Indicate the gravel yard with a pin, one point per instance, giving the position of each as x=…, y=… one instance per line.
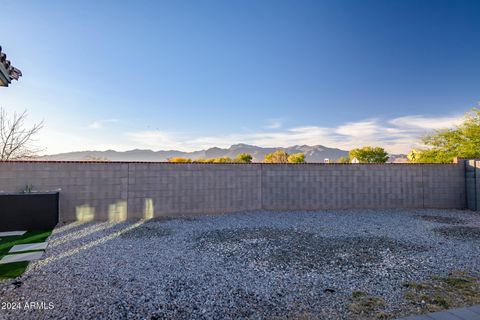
x=348, y=264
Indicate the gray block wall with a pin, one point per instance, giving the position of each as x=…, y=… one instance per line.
x=444, y=186
x=119, y=190
x=472, y=181
x=192, y=188
x=87, y=190
x=477, y=185
x=310, y=187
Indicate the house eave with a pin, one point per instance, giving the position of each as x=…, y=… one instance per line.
x=7, y=71
x=4, y=77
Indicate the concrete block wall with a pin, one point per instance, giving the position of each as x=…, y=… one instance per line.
x=444, y=186
x=309, y=187
x=192, y=188
x=477, y=185
x=120, y=190
x=87, y=190
x=472, y=181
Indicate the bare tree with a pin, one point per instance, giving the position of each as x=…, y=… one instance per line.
x=15, y=139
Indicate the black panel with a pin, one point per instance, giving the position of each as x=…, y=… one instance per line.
x=29, y=211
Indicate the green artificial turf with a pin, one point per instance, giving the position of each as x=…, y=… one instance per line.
x=15, y=269
x=12, y=270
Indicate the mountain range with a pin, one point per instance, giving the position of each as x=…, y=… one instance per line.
x=316, y=153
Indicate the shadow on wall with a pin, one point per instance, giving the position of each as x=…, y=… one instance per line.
x=117, y=211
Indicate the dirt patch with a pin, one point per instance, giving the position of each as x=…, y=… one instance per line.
x=146, y=231
x=442, y=219
x=459, y=232
x=456, y=290
x=366, y=306
x=285, y=248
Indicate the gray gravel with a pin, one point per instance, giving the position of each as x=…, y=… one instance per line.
x=247, y=265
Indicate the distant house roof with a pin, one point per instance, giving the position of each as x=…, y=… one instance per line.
x=7, y=71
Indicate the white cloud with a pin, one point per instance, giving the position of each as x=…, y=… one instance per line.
x=428, y=123
x=358, y=129
x=100, y=124
x=397, y=135
x=155, y=138
x=95, y=125
x=53, y=141
x=274, y=123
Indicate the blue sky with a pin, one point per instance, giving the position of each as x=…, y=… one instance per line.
x=194, y=74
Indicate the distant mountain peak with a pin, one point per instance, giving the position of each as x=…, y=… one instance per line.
x=241, y=145
x=312, y=153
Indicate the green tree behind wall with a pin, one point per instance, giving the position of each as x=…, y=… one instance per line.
x=369, y=155
x=343, y=160
x=244, y=158
x=278, y=156
x=296, y=158
x=461, y=141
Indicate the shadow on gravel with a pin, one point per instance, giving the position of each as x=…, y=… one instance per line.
x=71, y=228
x=237, y=303
x=279, y=248
x=241, y=305
x=167, y=219
x=459, y=232
x=441, y=219
x=147, y=230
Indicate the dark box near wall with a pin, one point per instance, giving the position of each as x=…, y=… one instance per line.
x=28, y=211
